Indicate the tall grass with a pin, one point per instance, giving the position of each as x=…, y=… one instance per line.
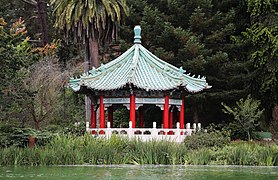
x=69, y=150
x=249, y=153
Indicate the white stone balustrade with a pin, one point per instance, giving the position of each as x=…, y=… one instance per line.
x=146, y=134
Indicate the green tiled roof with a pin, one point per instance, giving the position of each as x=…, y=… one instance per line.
x=140, y=68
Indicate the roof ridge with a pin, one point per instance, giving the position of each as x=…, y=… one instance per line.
x=134, y=64
x=119, y=59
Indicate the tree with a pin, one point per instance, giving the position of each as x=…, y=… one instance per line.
x=196, y=34
x=262, y=39
x=15, y=56
x=246, y=114
x=91, y=21
x=45, y=82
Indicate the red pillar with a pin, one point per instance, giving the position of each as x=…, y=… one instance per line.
x=166, y=113
x=101, y=112
x=132, y=112
x=182, y=114
x=110, y=115
x=141, y=117
x=93, y=117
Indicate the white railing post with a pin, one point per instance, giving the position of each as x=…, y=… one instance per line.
x=199, y=126
x=187, y=129
x=187, y=126
x=108, y=132
x=87, y=127
x=178, y=135
x=194, y=126
x=154, y=132
x=129, y=131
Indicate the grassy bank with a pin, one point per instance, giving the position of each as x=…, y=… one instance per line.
x=86, y=150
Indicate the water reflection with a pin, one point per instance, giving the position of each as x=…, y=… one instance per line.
x=147, y=172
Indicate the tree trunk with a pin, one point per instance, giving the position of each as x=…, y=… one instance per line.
x=90, y=60
x=37, y=125
x=33, y=114
x=41, y=6
x=94, y=53
x=86, y=69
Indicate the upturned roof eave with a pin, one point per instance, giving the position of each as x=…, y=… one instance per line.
x=163, y=75
x=78, y=88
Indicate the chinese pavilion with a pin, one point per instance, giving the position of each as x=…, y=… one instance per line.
x=134, y=79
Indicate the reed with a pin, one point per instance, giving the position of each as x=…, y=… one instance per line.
x=200, y=157
x=248, y=153
x=70, y=149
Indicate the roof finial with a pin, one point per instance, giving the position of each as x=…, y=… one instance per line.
x=137, y=34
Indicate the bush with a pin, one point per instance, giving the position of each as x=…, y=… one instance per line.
x=202, y=139
x=246, y=115
x=16, y=136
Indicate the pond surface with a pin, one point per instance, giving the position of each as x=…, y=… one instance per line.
x=139, y=172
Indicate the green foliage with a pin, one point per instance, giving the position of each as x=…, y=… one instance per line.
x=19, y=137
x=197, y=35
x=261, y=38
x=74, y=150
x=241, y=153
x=213, y=138
x=16, y=56
x=264, y=55
x=246, y=114
x=155, y=152
x=96, y=18
x=259, y=7
x=121, y=118
x=200, y=157
x=12, y=10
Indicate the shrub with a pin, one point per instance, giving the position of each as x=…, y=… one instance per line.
x=202, y=139
x=246, y=114
x=16, y=136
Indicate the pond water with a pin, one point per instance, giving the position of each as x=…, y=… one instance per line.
x=139, y=172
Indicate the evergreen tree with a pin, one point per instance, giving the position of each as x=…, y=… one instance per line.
x=198, y=36
x=262, y=38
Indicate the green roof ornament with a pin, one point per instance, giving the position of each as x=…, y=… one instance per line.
x=137, y=34
x=181, y=70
